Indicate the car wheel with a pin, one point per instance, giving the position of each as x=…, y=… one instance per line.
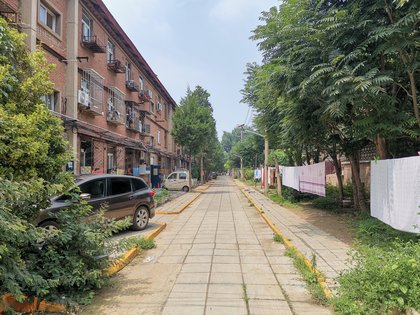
x=185, y=189
x=49, y=225
x=140, y=219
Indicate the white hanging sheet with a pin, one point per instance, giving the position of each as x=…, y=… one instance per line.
x=395, y=193
x=312, y=179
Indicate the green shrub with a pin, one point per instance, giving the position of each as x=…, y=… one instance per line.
x=161, y=196
x=382, y=281
x=249, y=173
x=331, y=200
x=140, y=242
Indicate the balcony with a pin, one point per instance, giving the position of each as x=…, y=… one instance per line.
x=90, y=94
x=116, y=110
x=94, y=44
x=132, y=86
x=116, y=65
x=9, y=12
x=145, y=95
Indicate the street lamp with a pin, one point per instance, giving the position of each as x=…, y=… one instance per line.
x=265, y=155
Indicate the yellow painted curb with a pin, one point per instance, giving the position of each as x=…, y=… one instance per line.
x=156, y=232
x=181, y=208
x=9, y=300
x=289, y=244
x=125, y=259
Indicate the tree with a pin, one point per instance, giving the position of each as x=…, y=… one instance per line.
x=193, y=124
x=33, y=154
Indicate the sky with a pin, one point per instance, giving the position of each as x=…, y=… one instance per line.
x=197, y=42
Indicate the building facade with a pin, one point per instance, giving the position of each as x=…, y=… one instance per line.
x=116, y=112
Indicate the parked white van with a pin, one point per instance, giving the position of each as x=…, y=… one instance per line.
x=178, y=180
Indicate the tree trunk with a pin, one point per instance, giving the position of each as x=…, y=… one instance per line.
x=278, y=179
x=308, y=157
x=338, y=173
x=359, y=198
x=381, y=147
x=414, y=96
x=202, y=169
x=190, y=175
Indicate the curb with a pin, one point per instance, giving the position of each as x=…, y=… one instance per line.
x=182, y=207
x=43, y=306
x=321, y=279
x=128, y=257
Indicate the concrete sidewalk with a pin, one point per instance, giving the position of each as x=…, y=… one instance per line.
x=216, y=257
x=330, y=253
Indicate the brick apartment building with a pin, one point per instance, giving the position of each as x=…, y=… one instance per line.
x=117, y=114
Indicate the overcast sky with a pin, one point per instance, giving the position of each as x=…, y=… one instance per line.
x=197, y=42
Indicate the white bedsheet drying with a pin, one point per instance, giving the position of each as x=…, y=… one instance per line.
x=395, y=193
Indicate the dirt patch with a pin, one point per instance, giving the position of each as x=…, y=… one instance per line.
x=342, y=226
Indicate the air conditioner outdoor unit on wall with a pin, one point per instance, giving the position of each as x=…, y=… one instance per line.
x=131, y=84
x=149, y=93
x=83, y=98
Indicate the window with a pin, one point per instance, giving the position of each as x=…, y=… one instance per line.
x=115, y=106
x=141, y=83
x=182, y=175
x=139, y=184
x=120, y=186
x=49, y=18
x=127, y=71
x=96, y=188
x=158, y=136
x=110, y=51
x=51, y=101
x=86, y=27
x=152, y=107
x=172, y=176
x=92, y=84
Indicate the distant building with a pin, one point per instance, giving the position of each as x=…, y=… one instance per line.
x=116, y=112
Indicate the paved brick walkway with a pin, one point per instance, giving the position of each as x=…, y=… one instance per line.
x=217, y=257
x=331, y=253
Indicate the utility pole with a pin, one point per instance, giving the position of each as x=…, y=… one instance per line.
x=266, y=163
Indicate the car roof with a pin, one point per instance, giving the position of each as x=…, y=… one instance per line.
x=86, y=177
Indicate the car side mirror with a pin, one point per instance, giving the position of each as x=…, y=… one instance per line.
x=85, y=196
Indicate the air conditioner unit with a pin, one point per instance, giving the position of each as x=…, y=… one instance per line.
x=131, y=84
x=83, y=98
x=149, y=93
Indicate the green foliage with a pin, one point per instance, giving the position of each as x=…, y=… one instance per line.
x=384, y=277
x=67, y=265
x=309, y=277
x=248, y=173
x=331, y=201
x=285, y=200
x=382, y=281
x=277, y=238
x=139, y=242
x=161, y=196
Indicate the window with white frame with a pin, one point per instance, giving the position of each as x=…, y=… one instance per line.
x=86, y=27
x=152, y=107
x=141, y=83
x=49, y=18
x=158, y=136
x=110, y=51
x=51, y=100
x=127, y=71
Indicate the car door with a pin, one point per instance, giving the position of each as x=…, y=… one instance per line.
x=170, y=182
x=119, y=197
x=97, y=190
x=182, y=180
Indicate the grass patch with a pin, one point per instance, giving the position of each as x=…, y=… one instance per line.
x=139, y=242
x=277, y=238
x=331, y=201
x=282, y=201
x=161, y=196
x=385, y=277
x=245, y=297
x=309, y=277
